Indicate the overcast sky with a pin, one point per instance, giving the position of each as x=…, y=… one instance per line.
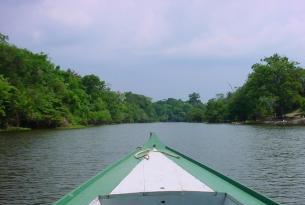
x=159, y=48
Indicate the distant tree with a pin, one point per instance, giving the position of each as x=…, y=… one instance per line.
x=240, y=105
x=196, y=114
x=5, y=88
x=8, y=102
x=194, y=98
x=216, y=110
x=142, y=106
x=3, y=38
x=172, y=110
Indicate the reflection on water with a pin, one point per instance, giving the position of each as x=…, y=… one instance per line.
x=39, y=167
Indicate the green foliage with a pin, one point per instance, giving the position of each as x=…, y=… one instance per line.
x=240, y=105
x=36, y=93
x=3, y=38
x=216, y=110
x=139, y=108
x=196, y=113
x=194, y=99
x=275, y=87
x=8, y=101
x=93, y=85
x=172, y=110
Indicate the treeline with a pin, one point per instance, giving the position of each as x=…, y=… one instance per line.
x=275, y=87
x=35, y=93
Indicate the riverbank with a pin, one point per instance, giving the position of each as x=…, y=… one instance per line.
x=289, y=122
x=299, y=121
x=294, y=118
x=18, y=129
x=15, y=129
x=69, y=98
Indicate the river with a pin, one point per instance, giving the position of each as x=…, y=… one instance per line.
x=38, y=167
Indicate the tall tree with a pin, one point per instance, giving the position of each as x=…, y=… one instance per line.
x=3, y=38
x=275, y=83
x=194, y=98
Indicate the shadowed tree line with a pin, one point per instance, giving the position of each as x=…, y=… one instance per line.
x=36, y=93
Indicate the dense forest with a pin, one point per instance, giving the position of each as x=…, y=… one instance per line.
x=36, y=93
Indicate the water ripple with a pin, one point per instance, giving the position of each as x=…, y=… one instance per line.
x=39, y=167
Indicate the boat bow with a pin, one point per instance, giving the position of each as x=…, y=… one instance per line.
x=157, y=174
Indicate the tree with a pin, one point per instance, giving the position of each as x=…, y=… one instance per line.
x=8, y=101
x=240, y=105
x=3, y=38
x=216, y=110
x=140, y=104
x=172, y=110
x=93, y=85
x=194, y=98
x=275, y=85
x=5, y=95
x=196, y=114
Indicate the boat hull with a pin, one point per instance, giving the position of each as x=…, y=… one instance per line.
x=157, y=173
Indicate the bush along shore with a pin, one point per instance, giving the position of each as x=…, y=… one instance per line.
x=36, y=93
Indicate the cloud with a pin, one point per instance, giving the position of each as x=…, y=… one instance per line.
x=70, y=13
x=243, y=28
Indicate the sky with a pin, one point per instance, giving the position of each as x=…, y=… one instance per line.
x=159, y=48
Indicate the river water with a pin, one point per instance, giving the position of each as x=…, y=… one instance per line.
x=38, y=167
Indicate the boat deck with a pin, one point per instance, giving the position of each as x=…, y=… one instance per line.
x=169, y=198
x=157, y=174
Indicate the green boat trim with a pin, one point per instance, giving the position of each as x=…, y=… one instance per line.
x=221, y=183
x=111, y=182
x=101, y=184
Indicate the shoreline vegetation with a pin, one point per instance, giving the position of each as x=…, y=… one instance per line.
x=290, y=122
x=36, y=93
